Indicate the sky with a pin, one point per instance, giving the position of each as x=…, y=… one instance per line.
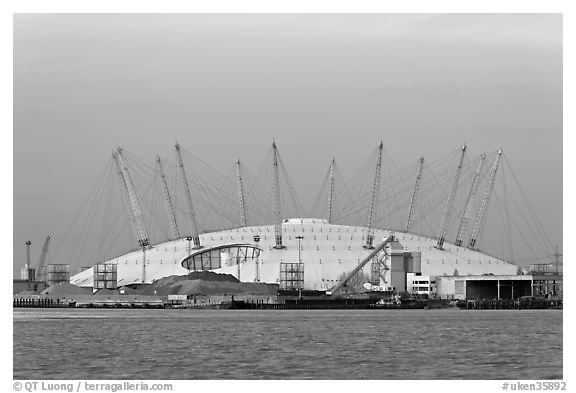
x=322, y=85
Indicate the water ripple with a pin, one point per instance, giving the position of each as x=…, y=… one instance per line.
x=347, y=344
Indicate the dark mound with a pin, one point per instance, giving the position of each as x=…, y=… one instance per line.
x=211, y=276
x=105, y=291
x=127, y=291
x=203, y=283
x=66, y=289
x=203, y=276
x=28, y=293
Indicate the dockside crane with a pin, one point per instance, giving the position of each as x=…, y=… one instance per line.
x=40, y=269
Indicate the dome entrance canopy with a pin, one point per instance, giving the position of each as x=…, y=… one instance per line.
x=220, y=256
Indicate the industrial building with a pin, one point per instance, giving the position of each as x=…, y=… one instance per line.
x=543, y=281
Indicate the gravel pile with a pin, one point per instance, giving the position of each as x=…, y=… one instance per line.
x=66, y=289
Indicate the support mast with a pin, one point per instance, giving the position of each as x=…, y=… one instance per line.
x=168, y=201
x=276, y=195
x=136, y=212
x=450, y=202
x=469, y=202
x=130, y=196
x=414, y=195
x=484, y=206
x=241, y=194
x=331, y=193
x=124, y=192
x=374, y=201
x=191, y=215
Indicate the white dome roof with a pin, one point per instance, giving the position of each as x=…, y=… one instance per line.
x=327, y=251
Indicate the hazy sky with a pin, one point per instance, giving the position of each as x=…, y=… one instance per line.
x=322, y=85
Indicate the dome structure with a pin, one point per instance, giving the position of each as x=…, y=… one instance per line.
x=327, y=251
x=309, y=253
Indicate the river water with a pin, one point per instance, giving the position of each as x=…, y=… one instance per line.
x=299, y=344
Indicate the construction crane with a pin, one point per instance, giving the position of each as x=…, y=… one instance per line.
x=40, y=269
